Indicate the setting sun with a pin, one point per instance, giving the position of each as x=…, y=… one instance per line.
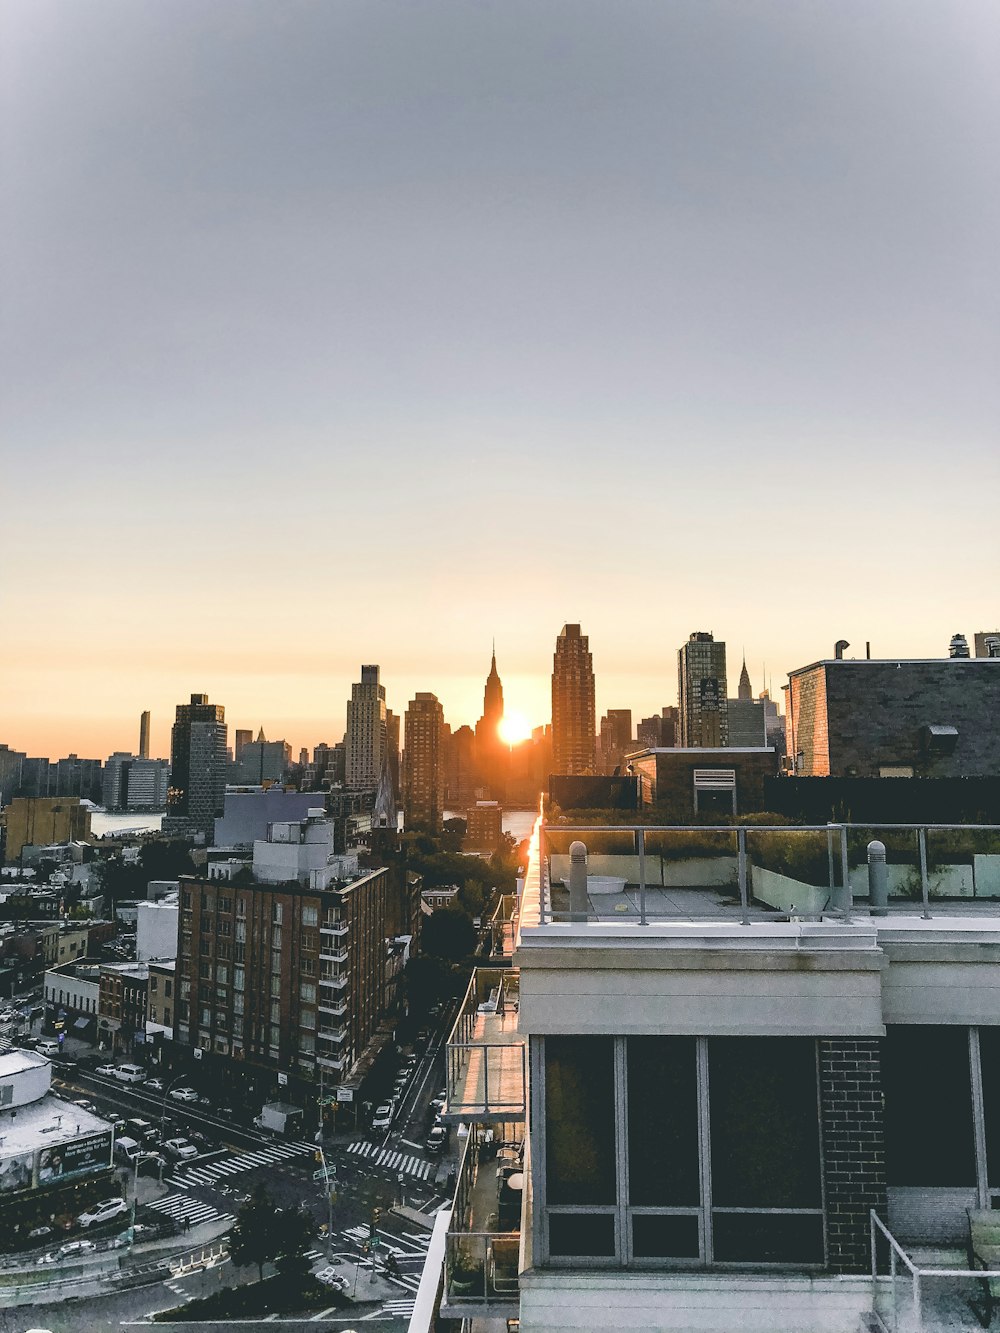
x=514, y=728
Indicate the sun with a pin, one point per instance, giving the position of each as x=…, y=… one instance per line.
x=514, y=728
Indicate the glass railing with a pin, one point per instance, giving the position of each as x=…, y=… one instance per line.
x=748, y=872
x=486, y=1061
x=482, y=1254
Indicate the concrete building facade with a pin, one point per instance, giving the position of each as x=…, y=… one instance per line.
x=197, y=767
x=366, y=731
x=574, y=712
x=702, y=692
x=424, y=763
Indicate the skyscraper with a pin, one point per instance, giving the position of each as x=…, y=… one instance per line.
x=744, y=691
x=492, y=754
x=423, y=763
x=144, y=735
x=701, y=692
x=574, y=713
x=366, y=731
x=197, y=767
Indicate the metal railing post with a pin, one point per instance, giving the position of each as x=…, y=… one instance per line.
x=917, y=1313
x=871, y=1229
x=845, y=874
x=924, y=885
x=741, y=851
x=640, y=839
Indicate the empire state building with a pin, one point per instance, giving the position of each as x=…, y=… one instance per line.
x=492, y=755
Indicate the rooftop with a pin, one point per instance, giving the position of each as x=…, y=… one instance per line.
x=47, y=1123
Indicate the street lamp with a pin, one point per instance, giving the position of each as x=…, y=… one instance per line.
x=329, y=1197
x=163, y=1115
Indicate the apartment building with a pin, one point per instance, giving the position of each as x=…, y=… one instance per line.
x=688, y=1110
x=281, y=977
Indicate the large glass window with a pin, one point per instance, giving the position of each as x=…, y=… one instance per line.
x=580, y=1120
x=683, y=1149
x=928, y=1106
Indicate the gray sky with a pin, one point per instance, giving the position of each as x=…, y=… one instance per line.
x=363, y=331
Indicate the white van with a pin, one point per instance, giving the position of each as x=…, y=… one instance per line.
x=47, y=1047
x=130, y=1074
x=127, y=1150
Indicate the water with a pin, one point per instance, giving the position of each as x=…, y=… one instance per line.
x=134, y=823
x=517, y=822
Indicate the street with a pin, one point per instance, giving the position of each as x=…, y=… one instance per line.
x=203, y=1196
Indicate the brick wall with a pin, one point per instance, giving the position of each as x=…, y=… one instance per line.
x=853, y=1146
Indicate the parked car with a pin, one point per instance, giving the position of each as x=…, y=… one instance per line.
x=102, y=1212
x=184, y=1095
x=201, y=1141
x=73, y=1248
x=436, y=1139
x=65, y=1065
x=382, y=1118
x=85, y=1105
x=154, y=1085
x=106, y=1071
x=181, y=1150
x=438, y=1104
x=47, y=1047
x=37, y=1233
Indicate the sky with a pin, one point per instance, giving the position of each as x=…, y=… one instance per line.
x=366, y=331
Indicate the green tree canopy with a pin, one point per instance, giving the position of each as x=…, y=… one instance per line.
x=449, y=934
x=256, y=1235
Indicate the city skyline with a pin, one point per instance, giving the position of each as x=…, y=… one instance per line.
x=418, y=294
x=527, y=696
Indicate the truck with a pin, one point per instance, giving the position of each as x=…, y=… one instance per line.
x=280, y=1118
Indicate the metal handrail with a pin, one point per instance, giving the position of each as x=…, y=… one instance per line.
x=916, y=1271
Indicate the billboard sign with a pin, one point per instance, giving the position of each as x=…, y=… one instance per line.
x=709, y=694
x=77, y=1158
x=15, y=1173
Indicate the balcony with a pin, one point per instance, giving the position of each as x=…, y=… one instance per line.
x=338, y=1062
x=334, y=1034
x=336, y=1008
x=486, y=1069
x=329, y=955
x=483, y=1245
x=502, y=927
x=337, y=929
x=338, y=982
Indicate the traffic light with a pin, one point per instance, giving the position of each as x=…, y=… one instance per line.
x=376, y=1214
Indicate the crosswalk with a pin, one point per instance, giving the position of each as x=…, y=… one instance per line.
x=182, y=1208
x=392, y=1159
x=245, y=1161
x=401, y=1307
x=403, y=1248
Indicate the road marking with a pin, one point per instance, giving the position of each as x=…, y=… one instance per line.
x=323, y=1313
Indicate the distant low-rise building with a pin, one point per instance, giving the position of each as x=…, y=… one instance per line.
x=42, y=820
x=687, y=782
x=484, y=827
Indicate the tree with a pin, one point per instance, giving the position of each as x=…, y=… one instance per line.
x=448, y=934
x=256, y=1235
x=296, y=1231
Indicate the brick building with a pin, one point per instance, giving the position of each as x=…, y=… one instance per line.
x=122, y=1006
x=936, y=718
x=683, y=783
x=281, y=977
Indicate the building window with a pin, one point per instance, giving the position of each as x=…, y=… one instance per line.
x=241, y=908
x=631, y=1126
x=275, y=1040
x=207, y=900
x=276, y=937
x=307, y=1042
x=237, y=1026
x=276, y=913
x=307, y=1018
x=276, y=961
x=204, y=945
x=204, y=968
x=275, y=1011
x=310, y=940
x=168, y=987
x=928, y=1068
x=153, y=985
x=166, y=1016
x=222, y=973
x=275, y=985
x=307, y=966
x=225, y=904
x=206, y=1017
x=185, y=987
x=307, y=992
x=310, y=916
x=223, y=951
x=239, y=978
x=238, y=1002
